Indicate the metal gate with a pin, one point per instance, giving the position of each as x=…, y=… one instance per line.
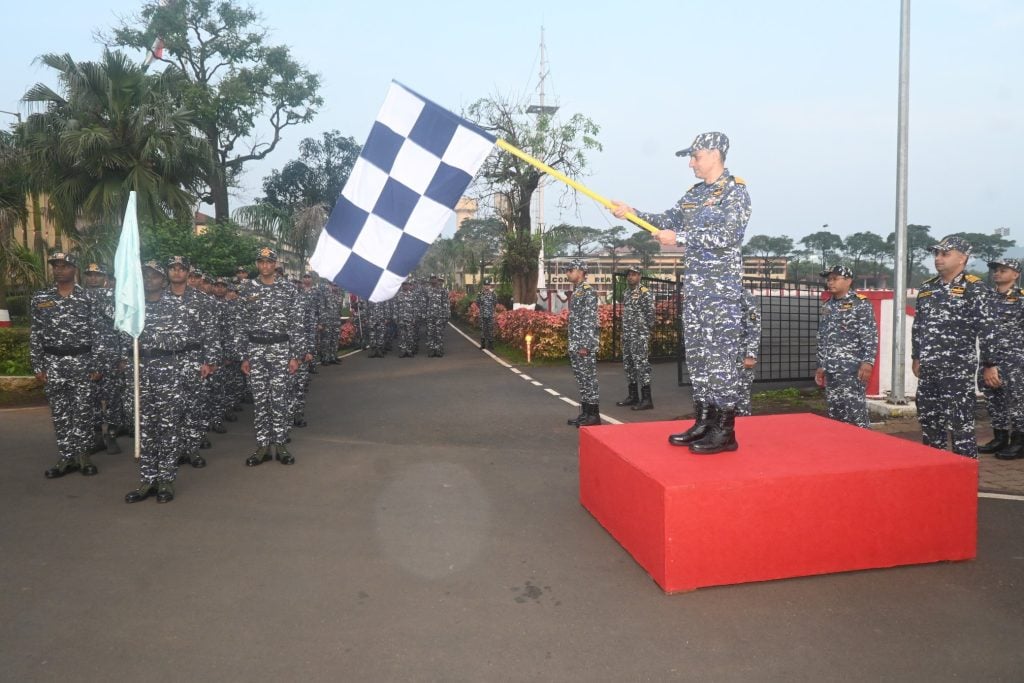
x=790, y=313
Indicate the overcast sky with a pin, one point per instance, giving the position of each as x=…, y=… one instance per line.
x=805, y=89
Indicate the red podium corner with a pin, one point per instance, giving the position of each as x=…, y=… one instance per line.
x=803, y=495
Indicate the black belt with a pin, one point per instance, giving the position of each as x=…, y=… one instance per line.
x=156, y=353
x=268, y=338
x=67, y=350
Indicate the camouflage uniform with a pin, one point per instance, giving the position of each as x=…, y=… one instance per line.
x=406, y=302
x=300, y=380
x=750, y=345
x=637, y=323
x=486, y=300
x=330, y=323
x=1006, y=403
x=583, y=334
x=66, y=341
x=951, y=320
x=164, y=373
x=269, y=335
x=710, y=221
x=202, y=347
x=847, y=337
x=377, y=322
x=438, y=312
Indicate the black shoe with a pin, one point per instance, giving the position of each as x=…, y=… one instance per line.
x=721, y=434
x=61, y=468
x=703, y=412
x=1000, y=440
x=142, y=493
x=238, y=407
x=299, y=422
x=282, y=455
x=261, y=455
x=645, y=399
x=1014, y=450
x=230, y=417
x=591, y=415
x=218, y=427
x=165, y=492
x=197, y=461
x=86, y=466
x=205, y=443
x=575, y=421
x=631, y=399
x=183, y=458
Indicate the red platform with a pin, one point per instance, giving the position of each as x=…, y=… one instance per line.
x=803, y=495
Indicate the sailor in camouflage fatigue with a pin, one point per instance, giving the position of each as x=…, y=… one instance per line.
x=709, y=221
x=406, y=302
x=847, y=348
x=310, y=305
x=329, y=323
x=67, y=353
x=583, y=343
x=377, y=322
x=637, y=324
x=164, y=365
x=953, y=320
x=1006, y=402
x=109, y=395
x=750, y=345
x=486, y=300
x=271, y=342
x=200, y=357
x=437, y=314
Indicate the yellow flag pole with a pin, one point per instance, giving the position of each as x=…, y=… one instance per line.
x=537, y=163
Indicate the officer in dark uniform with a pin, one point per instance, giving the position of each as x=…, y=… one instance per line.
x=406, y=302
x=583, y=344
x=437, y=314
x=847, y=348
x=709, y=221
x=66, y=350
x=637, y=324
x=1006, y=403
x=109, y=394
x=953, y=320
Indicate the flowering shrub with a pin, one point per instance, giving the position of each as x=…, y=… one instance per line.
x=548, y=330
x=348, y=335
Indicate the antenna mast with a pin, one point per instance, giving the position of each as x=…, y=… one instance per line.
x=541, y=109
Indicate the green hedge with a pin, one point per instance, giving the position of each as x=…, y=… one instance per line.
x=14, y=351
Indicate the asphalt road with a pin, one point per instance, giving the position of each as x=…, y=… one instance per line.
x=431, y=530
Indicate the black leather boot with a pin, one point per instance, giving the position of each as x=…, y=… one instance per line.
x=85, y=465
x=591, y=415
x=575, y=421
x=632, y=399
x=1000, y=440
x=111, y=443
x=483, y=344
x=144, y=491
x=61, y=468
x=218, y=427
x=721, y=434
x=1015, y=449
x=259, y=457
x=645, y=399
x=703, y=413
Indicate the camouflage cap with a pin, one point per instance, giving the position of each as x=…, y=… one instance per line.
x=1011, y=263
x=178, y=261
x=489, y=282
x=837, y=269
x=195, y=273
x=95, y=268
x=220, y=282
x=155, y=266
x=266, y=254
x=951, y=242
x=58, y=256
x=712, y=140
x=578, y=263
x=633, y=269
x=241, y=269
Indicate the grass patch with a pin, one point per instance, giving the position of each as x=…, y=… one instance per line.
x=789, y=400
x=35, y=396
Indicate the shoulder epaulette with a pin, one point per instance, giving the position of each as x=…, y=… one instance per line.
x=972, y=278
x=696, y=185
x=861, y=296
x=738, y=180
x=644, y=289
x=931, y=280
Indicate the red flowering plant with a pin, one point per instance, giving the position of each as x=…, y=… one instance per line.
x=548, y=330
x=348, y=335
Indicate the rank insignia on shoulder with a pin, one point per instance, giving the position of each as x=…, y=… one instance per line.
x=46, y=304
x=644, y=289
x=861, y=296
x=689, y=205
x=956, y=291
x=739, y=181
x=972, y=278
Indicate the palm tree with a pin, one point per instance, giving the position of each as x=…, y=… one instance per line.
x=111, y=129
x=298, y=228
x=17, y=262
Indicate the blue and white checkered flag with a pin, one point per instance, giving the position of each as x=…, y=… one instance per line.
x=416, y=163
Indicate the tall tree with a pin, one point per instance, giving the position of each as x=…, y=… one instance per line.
x=861, y=246
x=571, y=240
x=823, y=243
x=239, y=85
x=919, y=244
x=644, y=246
x=510, y=182
x=317, y=176
x=987, y=247
x=481, y=240
x=766, y=247
x=612, y=239
x=112, y=129
x=17, y=262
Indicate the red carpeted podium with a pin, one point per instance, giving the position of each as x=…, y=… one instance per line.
x=803, y=495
